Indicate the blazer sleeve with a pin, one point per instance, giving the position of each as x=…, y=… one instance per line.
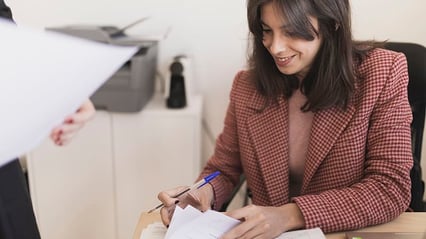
x=226, y=157
x=384, y=191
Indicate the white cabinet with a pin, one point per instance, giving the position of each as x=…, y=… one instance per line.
x=155, y=150
x=97, y=186
x=72, y=187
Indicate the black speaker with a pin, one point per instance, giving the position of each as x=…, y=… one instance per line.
x=177, y=94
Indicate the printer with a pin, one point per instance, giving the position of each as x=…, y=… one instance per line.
x=132, y=86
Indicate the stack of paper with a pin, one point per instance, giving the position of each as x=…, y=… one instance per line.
x=190, y=223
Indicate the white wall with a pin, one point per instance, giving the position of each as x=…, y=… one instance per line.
x=213, y=33
x=396, y=20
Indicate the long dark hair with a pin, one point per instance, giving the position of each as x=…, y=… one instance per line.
x=331, y=79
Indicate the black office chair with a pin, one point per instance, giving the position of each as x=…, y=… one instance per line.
x=416, y=60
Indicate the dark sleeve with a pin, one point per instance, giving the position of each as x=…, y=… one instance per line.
x=5, y=10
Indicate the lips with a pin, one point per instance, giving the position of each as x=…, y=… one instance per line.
x=283, y=61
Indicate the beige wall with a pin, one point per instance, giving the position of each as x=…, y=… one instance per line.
x=396, y=20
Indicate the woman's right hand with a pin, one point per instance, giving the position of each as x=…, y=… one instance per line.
x=201, y=199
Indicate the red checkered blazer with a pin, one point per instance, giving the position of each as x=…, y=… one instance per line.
x=358, y=162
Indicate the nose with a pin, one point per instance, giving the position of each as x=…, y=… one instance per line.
x=278, y=44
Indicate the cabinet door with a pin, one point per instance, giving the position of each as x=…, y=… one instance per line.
x=72, y=186
x=153, y=151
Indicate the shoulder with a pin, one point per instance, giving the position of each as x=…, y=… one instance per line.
x=242, y=85
x=383, y=67
x=381, y=62
x=383, y=74
x=244, y=94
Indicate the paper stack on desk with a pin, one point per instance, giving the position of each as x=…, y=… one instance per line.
x=190, y=223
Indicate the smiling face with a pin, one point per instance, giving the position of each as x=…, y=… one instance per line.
x=293, y=55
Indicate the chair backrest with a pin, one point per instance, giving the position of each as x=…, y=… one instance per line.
x=416, y=60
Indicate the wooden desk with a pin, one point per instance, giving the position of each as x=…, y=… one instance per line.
x=144, y=220
x=407, y=222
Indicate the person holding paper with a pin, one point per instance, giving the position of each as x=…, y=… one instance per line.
x=17, y=219
x=319, y=124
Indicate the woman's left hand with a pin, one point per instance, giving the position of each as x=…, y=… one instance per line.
x=265, y=222
x=63, y=134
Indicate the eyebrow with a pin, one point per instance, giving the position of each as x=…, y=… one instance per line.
x=263, y=23
x=283, y=27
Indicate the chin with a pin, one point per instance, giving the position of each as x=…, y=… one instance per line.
x=287, y=72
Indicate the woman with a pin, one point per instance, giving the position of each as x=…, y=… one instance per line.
x=319, y=124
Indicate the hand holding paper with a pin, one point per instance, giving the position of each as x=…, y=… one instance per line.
x=190, y=223
x=45, y=77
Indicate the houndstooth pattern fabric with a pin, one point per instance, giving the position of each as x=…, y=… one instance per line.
x=358, y=163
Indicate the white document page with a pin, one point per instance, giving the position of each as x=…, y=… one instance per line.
x=46, y=76
x=211, y=225
x=182, y=217
x=208, y=225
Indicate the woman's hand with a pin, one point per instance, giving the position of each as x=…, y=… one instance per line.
x=265, y=222
x=201, y=199
x=62, y=134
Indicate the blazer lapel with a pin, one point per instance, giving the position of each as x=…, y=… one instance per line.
x=269, y=134
x=327, y=125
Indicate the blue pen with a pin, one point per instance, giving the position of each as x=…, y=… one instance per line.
x=197, y=185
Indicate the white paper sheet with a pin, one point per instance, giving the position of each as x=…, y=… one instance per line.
x=45, y=77
x=182, y=217
x=189, y=223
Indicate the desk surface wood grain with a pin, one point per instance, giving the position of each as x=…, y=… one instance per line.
x=406, y=222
